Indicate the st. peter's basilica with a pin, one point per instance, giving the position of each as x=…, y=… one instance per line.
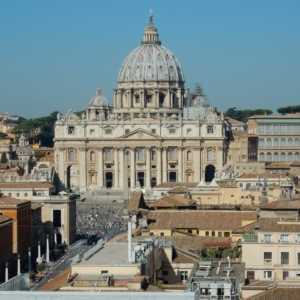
x=156, y=131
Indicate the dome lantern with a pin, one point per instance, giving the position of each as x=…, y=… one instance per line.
x=150, y=34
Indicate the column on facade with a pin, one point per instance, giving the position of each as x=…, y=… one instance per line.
x=122, y=167
x=115, y=98
x=197, y=167
x=116, y=164
x=165, y=164
x=132, y=168
x=83, y=168
x=100, y=167
x=220, y=157
x=61, y=165
x=119, y=98
x=201, y=156
x=157, y=98
x=148, y=167
x=180, y=167
x=158, y=168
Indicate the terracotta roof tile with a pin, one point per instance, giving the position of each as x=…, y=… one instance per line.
x=211, y=220
x=270, y=225
x=282, y=204
x=171, y=201
x=178, y=190
x=171, y=185
x=4, y=219
x=261, y=176
x=7, y=201
x=136, y=201
x=35, y=205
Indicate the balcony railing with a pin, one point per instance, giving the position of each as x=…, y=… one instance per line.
x=284, y=261
x=251, y=238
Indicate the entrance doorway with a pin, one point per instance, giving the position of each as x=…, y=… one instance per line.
x=141, y=178
x=172, y=177
x=209, y=173
x=109, y=179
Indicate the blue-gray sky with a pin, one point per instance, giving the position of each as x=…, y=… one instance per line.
x=54, y=54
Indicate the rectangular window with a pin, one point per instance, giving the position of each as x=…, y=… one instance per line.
x=104, y=272
x=219, y=234
x=268, y=258
x=189, y=131
x=137, y=99
x=275, y=129
x=108, y=131
x=10, y=194
x=267, y=274
x=268, y=128
x=237, y=167
x=56, y=218
x=285, y=274
x=255, y=167
x=18, y=194
x=92, y=131
x=213, y=233
x=244, y=167
x=250, y=167
x=206, y=233
x=298, y=258
x=210, y=129
x=290, y=129
x=71, y=130
x=282, y=129
x=284, y=258
x=25, y=194
x=153, y=130
x=165, y=273
x=149, y=99
x=251, y=274
x=268, y=238
x=172, y=130
x=127, y=131
x=284, y=238
x=162, y=234
x=261, y=128
x=183, y=275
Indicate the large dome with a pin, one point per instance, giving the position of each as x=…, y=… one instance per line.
x=151, y=61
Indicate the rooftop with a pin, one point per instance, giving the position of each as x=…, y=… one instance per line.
x=282, y=205
x=9, y=201
x=171, y=201
x=110, y=254
x=25, y=185
x=209, y=219
x=270, y=225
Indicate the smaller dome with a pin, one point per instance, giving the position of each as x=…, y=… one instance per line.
x=98, y=100
x=200, y=101
x=174, y=116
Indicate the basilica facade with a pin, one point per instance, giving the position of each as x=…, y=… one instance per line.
x=155, y=132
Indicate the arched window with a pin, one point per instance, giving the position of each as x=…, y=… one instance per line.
x=140, y=155
x=282, y=143
x=153, y=155
x=297, y=143
x=290, y=142
x=71, y=155
x=108, y=155
x=282, y=157
x=261, y=142
x=269, y=156
x=172, y=155
x=276, y=156
x=261, y=156
x=189, y=155
x=276, y=142
x=297, y=156
x=210, y=155
x=269, y=142
x=92, y=156
x=290, y=156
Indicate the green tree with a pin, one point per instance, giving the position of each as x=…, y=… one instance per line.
x=39, y=154
x=4, y=159
x=2, y=135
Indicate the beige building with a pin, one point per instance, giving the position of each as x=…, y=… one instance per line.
x=278, y=137
x=154, y=132
x=271, y=248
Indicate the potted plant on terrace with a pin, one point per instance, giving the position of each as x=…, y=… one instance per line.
x=41, y=267
x=31, y=276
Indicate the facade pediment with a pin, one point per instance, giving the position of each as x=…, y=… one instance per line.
x=140, y=134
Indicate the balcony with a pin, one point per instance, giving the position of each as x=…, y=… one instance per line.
x=284, y=261
x=251, y=238
x=109, y=162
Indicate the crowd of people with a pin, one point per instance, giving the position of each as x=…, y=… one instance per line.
x=99, y=221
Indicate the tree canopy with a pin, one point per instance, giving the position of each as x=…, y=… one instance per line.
x=243, y=115
x=4, y=159
x=289, y=109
